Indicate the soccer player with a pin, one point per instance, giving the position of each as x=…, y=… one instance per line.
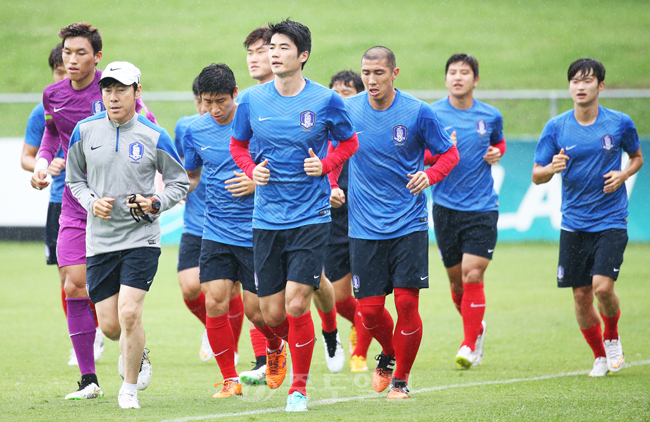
x=66, y=103
x=465, y=210
x=227, y=247
x=387, y=212
x=585, y=145
x=112, y=163
x=291, y=119
x=337, y=261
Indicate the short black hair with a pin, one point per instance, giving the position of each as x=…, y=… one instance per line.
x=56, y=57
x=348, y=78
x=109, y=82
x=465, y=58
x=217, y=79
x=380, y=52
x=297, y=32
x=261, y=33
x=195, y=87
x=584, y=66
x=82, y=29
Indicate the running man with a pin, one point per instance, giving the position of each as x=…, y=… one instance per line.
x=291, y=119
x=585, y=145
x=389, y=239
x=465, y=209
x=112, y=163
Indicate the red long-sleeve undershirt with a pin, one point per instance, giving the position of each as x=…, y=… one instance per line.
x=430, y=159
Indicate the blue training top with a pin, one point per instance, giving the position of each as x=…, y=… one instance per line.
x=194, y=213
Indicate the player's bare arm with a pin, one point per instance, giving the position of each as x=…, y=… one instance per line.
x=418, y=183
x=195, y=178
x=615, y=179
x=313, y=165
x=542, y=174
x=102, y=208
x=240, y=185
x=144, y=203
x=261, y=174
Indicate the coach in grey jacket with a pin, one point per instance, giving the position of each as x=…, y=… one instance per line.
x=111, y=169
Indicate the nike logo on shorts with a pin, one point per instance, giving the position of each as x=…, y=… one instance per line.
x=474, y=305
x=316, y=276
x=58, y=109
x=490, y=250
x=266, y=118
x=409, y=334
x=303, y=345
x=617, y=270
x=424, y=278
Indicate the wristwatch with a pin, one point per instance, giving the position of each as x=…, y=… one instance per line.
x=155, y=205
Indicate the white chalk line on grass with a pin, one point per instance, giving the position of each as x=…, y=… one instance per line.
x=375, y=396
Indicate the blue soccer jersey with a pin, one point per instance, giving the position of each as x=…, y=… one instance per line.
x=469, y=186
x=593, y=151
x=193, y=215
x=391, y=146
x=33, y=137
x=227, y=219
x=284, y=129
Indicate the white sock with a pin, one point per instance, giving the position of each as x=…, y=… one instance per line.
x=130, y=388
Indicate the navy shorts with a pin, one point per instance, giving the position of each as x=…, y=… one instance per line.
x=378, y=266
x=293, y=254
x=584, y=255
x=221, y=262
x=337, y=260
x=52, y=232
x=189, y=252
x=105, y=273
x=464, y=232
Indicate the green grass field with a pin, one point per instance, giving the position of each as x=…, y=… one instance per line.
x=520, y=45
x=534, y=368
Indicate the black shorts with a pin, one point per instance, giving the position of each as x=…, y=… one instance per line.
x=584, y=255
x=378, y=266
x=293, y=254
x=337, y=260
x=464, y=232
x=220, y=261
x=52, y=232
x=105, y=273
x=189, y=252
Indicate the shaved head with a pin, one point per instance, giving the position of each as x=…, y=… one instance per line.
x=380, y=53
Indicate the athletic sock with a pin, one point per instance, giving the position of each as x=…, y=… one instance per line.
x=611, y=326
x=129, y=388
x=281, y=330
x=270, y=340
x=82, y=333
x=258, y=341
x=472, y=310
x=458, y=299
x=92, y=309
x=197, y=307
x=223, y=344
x=408, y=331
x=236, y=317
x=347, y=308
x=594, y=339
x=328, y=320
x=301, y=344
x=378, y=321
x=64, y=302
x=364, y=338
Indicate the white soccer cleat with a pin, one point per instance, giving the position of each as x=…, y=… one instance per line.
x=615, y=355
x=478, y=348
x=600, y=368
x=128, y=400
x=144, y=377
x=86, y=391
x=334, y=355
x=72, y=359
x=255, y=376
x=465, y=358
x=205, y=353
x=98, y=346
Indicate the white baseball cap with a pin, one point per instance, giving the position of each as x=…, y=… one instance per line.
x=124, y=72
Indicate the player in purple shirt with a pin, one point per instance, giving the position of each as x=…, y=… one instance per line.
x=585, y=145
x=66, y=103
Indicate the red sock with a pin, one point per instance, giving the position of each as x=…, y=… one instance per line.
x=363, y=336
x=236, y=317
x=347, y=308
x=223, y=344
x=65, y=303
x=301, y=344
x=197, y=307
x=458, y=299
x=611, y=326
x=408, y=331
x=472, y=309
x=92, y=308
x=268, y=340
x=258, y=341
x=281, y=330
x=328, y=320
x=378, y=321
x=594, y=339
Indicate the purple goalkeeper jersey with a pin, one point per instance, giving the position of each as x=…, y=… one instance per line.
x=64, y=108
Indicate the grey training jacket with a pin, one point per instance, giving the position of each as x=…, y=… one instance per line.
x=106, y=159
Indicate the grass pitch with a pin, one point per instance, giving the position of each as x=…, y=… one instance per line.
x=534, y=368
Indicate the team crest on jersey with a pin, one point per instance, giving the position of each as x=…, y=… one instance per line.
x=307, y=119
x=607, y=142
x=560, y=273
x=481, y=127
x=399, y=133
x=97, y=107
x=136, y=151
x=356, y=283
